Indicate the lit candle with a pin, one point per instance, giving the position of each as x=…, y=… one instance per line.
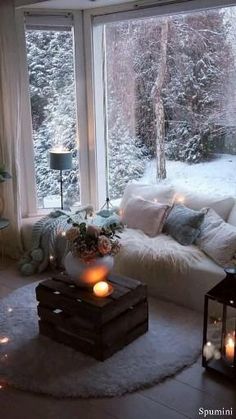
x=101, y=289
x=230, y=348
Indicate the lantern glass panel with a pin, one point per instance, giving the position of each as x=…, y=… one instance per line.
x=229, y=336
x=214, y=327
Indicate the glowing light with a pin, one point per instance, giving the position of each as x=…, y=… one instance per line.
x=230, y=348
x=231, y=301
x=94, y=274
x=155, y=200
x=59, y=149
x=51, y=258
x=101, y=289
x=209, y=351
x=4, y=339
x=63, y=233
x=10, y=310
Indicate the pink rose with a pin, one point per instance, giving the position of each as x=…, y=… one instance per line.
x=104, y=245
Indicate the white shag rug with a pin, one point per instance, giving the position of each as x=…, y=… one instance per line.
x=35, y=363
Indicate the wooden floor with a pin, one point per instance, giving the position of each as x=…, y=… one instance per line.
x=174, y=398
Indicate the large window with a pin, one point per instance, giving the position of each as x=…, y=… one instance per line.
x=170, y=107
x=50, y=54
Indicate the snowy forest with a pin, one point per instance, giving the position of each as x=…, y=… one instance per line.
x=170, y=85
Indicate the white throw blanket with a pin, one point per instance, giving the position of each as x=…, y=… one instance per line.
x=163, y=249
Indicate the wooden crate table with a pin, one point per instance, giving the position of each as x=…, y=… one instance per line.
x=96, y=326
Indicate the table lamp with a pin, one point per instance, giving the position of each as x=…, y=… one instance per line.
x=60, y=159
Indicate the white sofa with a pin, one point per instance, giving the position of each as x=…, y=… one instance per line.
x=181, y=274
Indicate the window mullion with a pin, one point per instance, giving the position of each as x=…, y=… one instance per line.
x=81, y=106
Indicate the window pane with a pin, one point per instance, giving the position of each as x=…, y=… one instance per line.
x=171, y=104
x=52, y=90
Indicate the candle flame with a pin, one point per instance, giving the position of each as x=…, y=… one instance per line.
x=230, y=342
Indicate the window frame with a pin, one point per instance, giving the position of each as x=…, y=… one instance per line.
x=93, y=20
x=89, y=96
x=51, y=20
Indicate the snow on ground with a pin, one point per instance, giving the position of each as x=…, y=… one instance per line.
x=216, y=177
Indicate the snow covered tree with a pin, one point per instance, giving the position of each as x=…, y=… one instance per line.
x=199, y=63
x=126, y=154
x=126, y=159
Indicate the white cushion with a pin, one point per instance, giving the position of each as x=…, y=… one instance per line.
x=232, y=216
x=160, y=193
x=197, y=201
x=217, y=238
x=145, y=215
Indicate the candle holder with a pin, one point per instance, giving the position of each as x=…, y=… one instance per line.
x=219, y=330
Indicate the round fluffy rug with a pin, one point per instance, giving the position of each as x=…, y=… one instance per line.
x=32, y=362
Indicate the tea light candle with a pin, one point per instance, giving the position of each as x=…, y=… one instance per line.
x=229, y=349
x=101, y=289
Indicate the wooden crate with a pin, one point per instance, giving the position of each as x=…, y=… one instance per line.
x=96, y=326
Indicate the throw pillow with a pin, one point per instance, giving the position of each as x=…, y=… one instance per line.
x=160, y=193
x=144, y=215
x=183, y=224
x=217, y=238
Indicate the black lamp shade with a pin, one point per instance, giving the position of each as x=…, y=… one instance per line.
x=60, y=160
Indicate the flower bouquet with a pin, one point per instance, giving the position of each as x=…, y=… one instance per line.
x=91, y=252
x=89, y=241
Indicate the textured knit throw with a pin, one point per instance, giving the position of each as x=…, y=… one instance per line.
x=48, y=242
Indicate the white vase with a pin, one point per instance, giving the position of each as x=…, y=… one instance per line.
x=86, y=274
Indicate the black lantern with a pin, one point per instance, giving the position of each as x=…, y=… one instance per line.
x=219, y=332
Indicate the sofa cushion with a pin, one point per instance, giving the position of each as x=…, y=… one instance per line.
x=197, y=201
x=145, y=215
x=232, y=216
x=160, y=193
x=183, y=224
x=217, y=238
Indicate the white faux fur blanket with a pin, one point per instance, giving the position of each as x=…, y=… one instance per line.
x=163, y=250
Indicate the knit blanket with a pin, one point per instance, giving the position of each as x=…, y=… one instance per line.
x=48, y=244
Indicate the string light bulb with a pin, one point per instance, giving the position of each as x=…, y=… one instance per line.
x=4, y=340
